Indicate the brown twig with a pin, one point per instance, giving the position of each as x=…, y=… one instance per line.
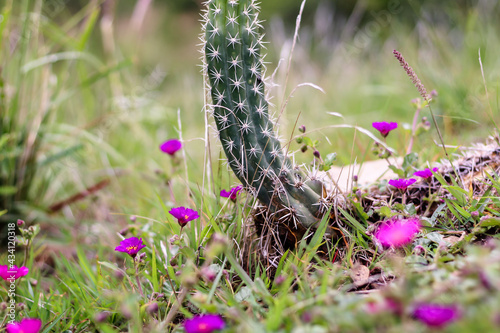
x=79, y=196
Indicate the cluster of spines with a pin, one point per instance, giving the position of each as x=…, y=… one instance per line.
x=233, y=65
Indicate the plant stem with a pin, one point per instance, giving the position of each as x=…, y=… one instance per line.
x=136, y=264
x=413, y=130
x=442, y=143
x=175, y=307
x=26, y=252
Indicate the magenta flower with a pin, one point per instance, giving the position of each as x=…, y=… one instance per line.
x=130, y=246
x=13, y=273
x=402, y=184
x=184, y=215
x=204, y=324
x=27, y=325
x=171, y=146
x=384, y=127
x=397, y=233
x=436, y=315
x=233, y=192
x=427, y=173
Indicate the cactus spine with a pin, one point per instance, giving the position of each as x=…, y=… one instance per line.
x=233, y=65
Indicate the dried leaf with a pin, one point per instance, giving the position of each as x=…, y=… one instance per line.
x=451, y=240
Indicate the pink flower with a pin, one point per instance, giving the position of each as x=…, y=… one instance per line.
x=131, y=246
x=171, y=146
x=27, y=325
x=233, y=192
x=13, y=273
x=204, y=324
x=184, y=215
x=384, y=127
x=402, y=184
x=397, y=233
x=436, y=315
x=427, y=173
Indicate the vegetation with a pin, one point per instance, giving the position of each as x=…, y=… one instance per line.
x=130, y=216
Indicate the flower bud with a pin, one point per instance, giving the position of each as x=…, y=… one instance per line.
x=208, y=274
x=279, y=280
x=199, y=297
x=316, y=154
x=124, y=231
x=152, y=308
x=307, y=317
x=20, y=223
x=485, y=281
x=419, y=250
x=125, y=310
x=174, y=240
x=101, y=317
x=217, y=245
x=119, y=274
x=302, y=128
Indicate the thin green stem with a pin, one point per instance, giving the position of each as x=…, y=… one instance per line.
x=413, y=130
x=136, y=265
x=430, y=202
x=175, y=308
x=26, y=252
x=442, y=143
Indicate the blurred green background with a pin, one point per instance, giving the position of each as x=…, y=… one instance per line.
x=100, y=84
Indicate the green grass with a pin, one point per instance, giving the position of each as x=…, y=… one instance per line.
x=97, y=113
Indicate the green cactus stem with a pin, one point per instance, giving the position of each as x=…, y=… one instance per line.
x=234, y=67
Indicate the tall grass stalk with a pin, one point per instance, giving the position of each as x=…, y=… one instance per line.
x=423, y=92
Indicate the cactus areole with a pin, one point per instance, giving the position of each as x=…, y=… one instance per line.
x=234, y=68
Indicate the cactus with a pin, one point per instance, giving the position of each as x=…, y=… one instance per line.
x=234, y=68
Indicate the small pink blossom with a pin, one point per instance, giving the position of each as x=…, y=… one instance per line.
x=436, y=315
x=131, y=246
x=426, y=173
x=402, y=184
x=384, y=127
x=184, y=215
x=171, y=146
x=232, y=193
x=397, y=233
x=12, y=273
x=386, y=305
x=204, y=324
x=27, y=325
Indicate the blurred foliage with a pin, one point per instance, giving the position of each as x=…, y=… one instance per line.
x=409, y=11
